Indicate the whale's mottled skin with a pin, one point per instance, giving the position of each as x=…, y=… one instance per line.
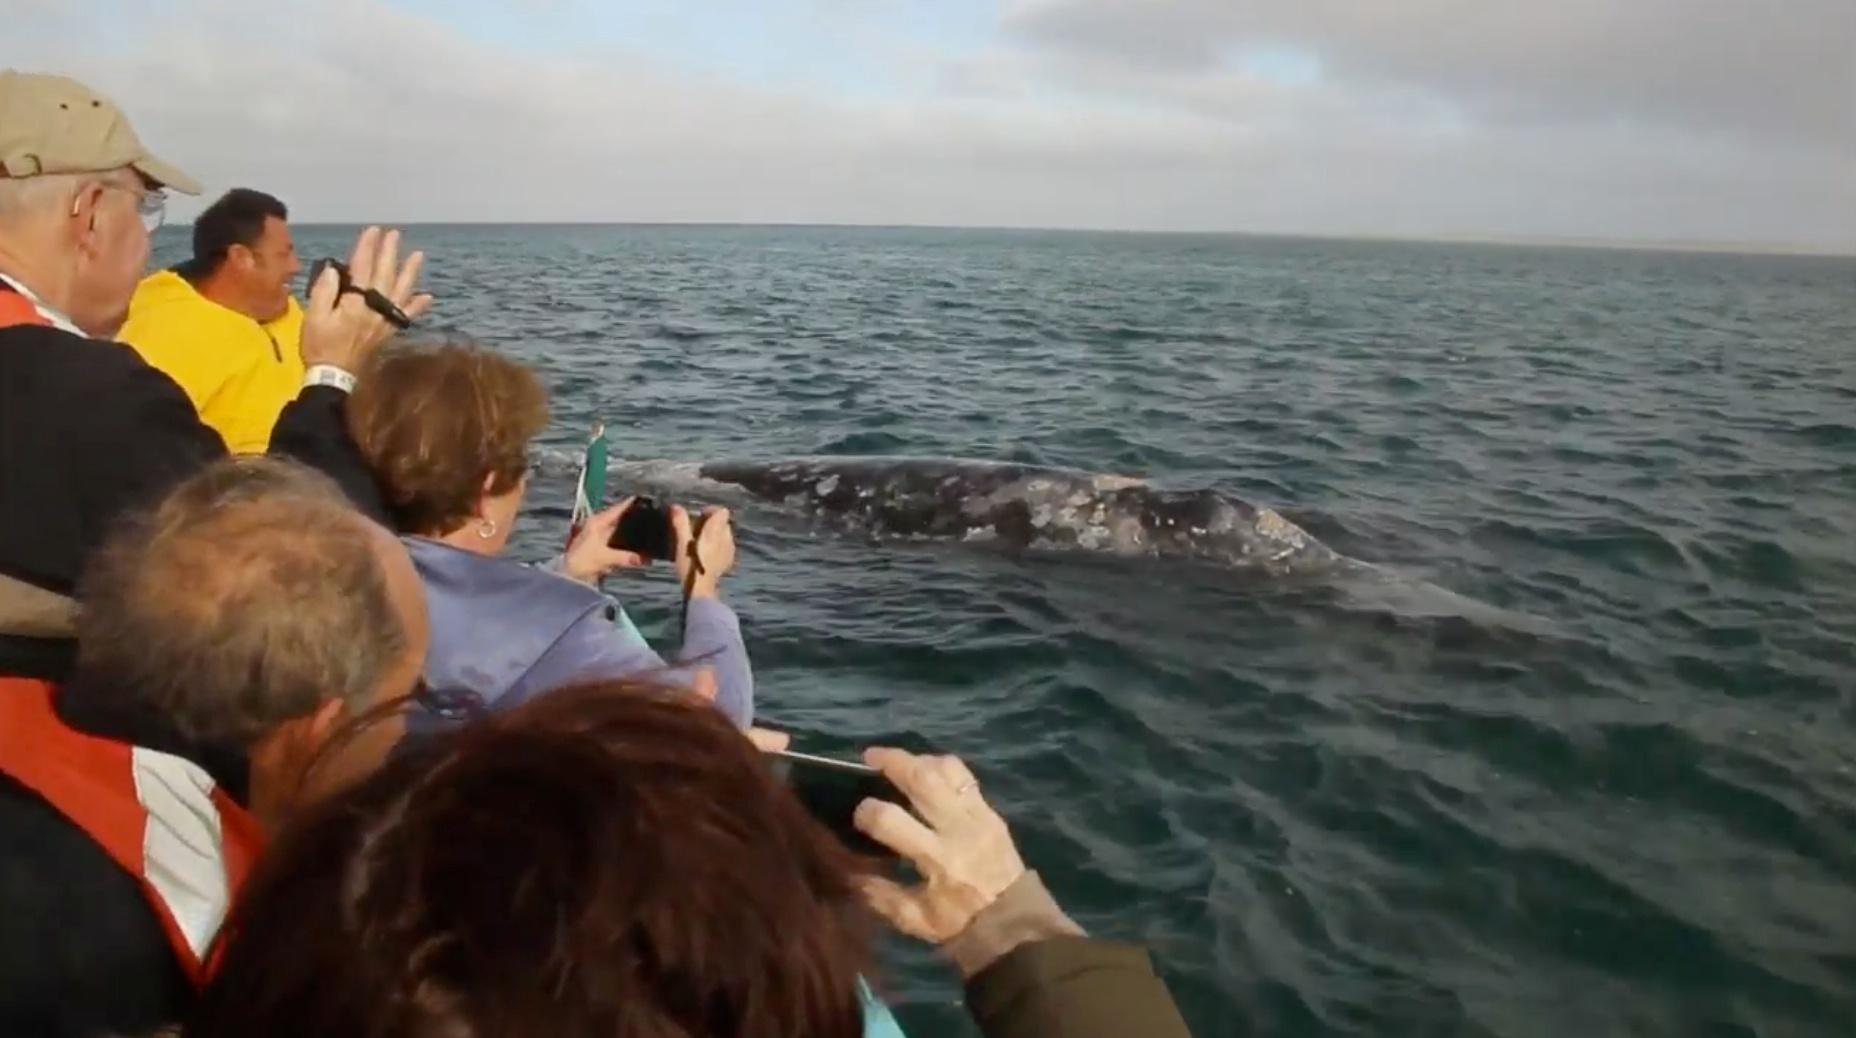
x=1024, y=505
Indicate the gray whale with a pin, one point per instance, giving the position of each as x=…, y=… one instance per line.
x=1026, y=506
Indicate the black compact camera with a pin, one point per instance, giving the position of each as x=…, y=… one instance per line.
x=376, y=300
x=645, y=529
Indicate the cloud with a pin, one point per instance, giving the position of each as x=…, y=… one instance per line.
x=1785, y=72
x=1071, y=116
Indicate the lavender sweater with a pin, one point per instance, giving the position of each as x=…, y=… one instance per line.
x=507, y=631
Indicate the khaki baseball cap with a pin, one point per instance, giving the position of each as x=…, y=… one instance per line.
x=52, y=124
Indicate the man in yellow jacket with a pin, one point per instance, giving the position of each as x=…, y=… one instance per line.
x=225, y=325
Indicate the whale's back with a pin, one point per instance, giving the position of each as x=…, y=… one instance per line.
x=1024, y=506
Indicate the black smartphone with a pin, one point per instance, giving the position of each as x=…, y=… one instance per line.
x=831, y=790
x=645, y=529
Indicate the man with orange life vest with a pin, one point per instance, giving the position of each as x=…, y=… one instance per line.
x=229, y=640
x=88, y=430
x=223, y=325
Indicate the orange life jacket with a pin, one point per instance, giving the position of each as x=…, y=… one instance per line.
x=161, y=817
x=17, y=309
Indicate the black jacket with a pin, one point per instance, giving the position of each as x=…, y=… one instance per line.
x=89, y=431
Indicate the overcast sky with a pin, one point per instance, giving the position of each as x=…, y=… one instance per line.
x=1645, y=120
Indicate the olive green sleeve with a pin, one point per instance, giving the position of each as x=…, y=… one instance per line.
x=1074, y=987
x=1034, y=975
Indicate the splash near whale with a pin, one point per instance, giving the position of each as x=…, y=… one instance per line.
x=1026, y=506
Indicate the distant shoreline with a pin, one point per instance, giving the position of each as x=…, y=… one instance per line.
x=1525, y=242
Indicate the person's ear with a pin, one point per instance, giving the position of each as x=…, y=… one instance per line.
x=243, y=259
x=321, y=724
x=84, y=205
x=487, y=493
x=285, y=757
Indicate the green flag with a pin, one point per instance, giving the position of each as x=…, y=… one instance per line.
x=590, y=490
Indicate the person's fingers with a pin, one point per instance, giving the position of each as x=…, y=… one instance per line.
x=958, y=774
x=703, y=683
x=606, y=520
x=927, y=781
x=680, y=534
x=715, y=525
x=325, y=291
x=605, y=559
x=408, y=279
x=591, y=555
x=896, y=904
x=766, y=740
x=386, y=264
x=894, y=827
x=948, y=794
x=361, y=260
x=890, y=762
x=418, y=306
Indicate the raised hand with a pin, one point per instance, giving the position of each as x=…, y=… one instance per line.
x=956, y=841
x=339, y=328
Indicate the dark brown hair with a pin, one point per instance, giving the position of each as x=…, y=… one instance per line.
x=433, y=420
x=238, y=218
x=611, y=860
x=250, y=595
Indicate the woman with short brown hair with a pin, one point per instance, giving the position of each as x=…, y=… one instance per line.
x=446, y=430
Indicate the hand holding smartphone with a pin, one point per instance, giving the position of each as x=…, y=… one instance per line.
x=831, y=790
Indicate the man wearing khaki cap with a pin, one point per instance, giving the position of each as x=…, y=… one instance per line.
x=87, y=429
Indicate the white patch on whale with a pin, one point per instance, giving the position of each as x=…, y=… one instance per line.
x=1271, y=524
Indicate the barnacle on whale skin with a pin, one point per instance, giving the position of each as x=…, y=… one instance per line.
x=1272, y=525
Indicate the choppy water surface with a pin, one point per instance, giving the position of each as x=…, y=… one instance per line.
x=1610, y=789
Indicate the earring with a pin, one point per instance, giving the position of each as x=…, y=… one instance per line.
x=486, y=529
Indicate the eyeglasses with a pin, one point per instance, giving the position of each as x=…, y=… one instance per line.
x=151, y=206
x=452, y=704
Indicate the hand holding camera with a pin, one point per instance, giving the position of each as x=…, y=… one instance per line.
x=591, y=556
x=651, y=530
x=352, y=308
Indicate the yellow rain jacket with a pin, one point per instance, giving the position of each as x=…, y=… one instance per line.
x=238, y=373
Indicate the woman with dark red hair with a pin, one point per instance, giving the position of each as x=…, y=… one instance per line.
x=616, y=860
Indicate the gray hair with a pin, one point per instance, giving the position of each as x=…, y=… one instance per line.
x=22, y=198
x=249, y=597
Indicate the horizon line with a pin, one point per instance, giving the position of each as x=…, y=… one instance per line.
x=1701, y=247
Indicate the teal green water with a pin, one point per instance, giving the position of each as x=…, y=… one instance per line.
x=1611, y=789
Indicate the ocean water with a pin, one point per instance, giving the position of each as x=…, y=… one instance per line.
x=1577, y=758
